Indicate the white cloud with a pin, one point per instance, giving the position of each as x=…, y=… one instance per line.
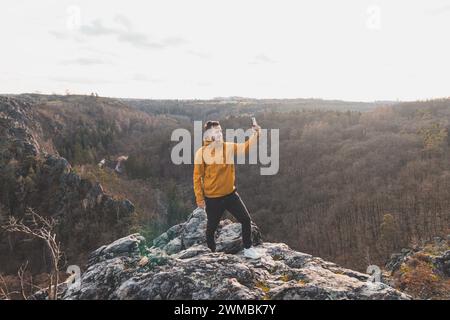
x=145, y=78
x=83, y=61
x=82, y=80
x=123, y=31
x=262, y=58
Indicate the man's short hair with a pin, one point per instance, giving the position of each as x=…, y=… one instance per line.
x=211, y=123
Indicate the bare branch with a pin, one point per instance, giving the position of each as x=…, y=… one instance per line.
x=42, y=228
x=4, y=292
x=20, y=274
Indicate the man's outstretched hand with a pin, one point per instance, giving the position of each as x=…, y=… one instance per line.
x=256, y=129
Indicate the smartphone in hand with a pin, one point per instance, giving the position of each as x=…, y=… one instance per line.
x=254, y=121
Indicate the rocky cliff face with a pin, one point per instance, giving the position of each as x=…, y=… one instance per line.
x=180, y=266
x=33, y=178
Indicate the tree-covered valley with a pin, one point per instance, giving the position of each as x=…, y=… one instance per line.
x=357, y=181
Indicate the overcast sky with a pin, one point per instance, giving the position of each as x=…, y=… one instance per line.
x=350, y=49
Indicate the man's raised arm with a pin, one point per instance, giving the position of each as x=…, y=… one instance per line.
x=243, y=148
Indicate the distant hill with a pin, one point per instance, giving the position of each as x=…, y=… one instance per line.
x=238, y=106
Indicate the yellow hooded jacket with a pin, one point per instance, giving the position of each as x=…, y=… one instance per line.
x=214, y=172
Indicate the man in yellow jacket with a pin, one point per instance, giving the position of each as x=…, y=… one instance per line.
x=214, y=183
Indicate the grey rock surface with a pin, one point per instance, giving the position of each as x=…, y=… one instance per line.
x=180, y=266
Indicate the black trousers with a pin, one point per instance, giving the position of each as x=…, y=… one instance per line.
x=215, y=208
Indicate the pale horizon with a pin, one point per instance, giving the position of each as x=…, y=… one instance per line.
x=218, y=98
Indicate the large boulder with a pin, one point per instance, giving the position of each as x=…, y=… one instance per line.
x=192, y=232
x=180, y=266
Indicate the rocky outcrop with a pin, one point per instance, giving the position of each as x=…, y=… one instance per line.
x=423, y=270
x=437, y=254
x=443, y=263
x=16, y=129
x=192, y=232
x=180, y=266
x=33, y=178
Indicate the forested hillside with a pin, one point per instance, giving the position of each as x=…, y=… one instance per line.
x=354, y=185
